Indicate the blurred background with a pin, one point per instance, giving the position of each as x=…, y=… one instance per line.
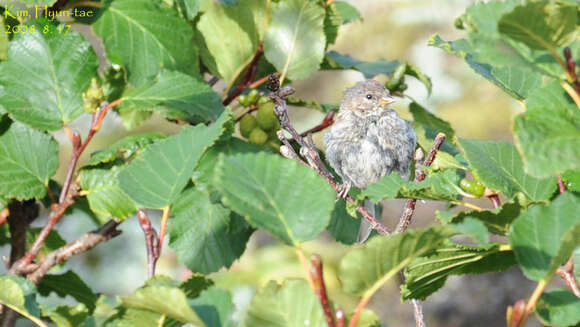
x=394, y=29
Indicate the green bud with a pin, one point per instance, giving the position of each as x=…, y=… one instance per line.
x=253, y=96
x=244, y=100
x=267, y=119
x=247, y=124
x=264, y=99
x=258, y=136
x=474, y=187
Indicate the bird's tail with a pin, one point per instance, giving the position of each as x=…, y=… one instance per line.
x=365, y=226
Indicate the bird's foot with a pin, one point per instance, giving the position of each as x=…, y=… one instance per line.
x=343, y=190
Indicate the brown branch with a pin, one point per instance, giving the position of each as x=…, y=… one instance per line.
x=561, y=184
x=357, y=312
x=418, y=313
x=68, y=192
x=248, y=77
x=327, y=121
x=515, y=313
x=409, y=210
x=566, y=273
x=258, y=82
x=317, y=278
x=571, y=69
x=495, y=201
x=151, y=241
x=82, y=244
x=308, y=150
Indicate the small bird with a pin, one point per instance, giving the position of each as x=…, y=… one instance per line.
x=368, y=140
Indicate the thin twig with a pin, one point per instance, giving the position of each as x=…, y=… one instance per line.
x=258, y=82
x=359, y=308
x=327, y=121
x=566, y=273
x=82, y=244
x=515, y=313
x=531, y=304
x=248, y=77
x=151, y=241
x=317, y=277
x=561, y=184
x=495, y=201
x=68, y=192
x=418, y=313
x=307, y=148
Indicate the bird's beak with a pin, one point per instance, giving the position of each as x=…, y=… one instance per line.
x=387, y=100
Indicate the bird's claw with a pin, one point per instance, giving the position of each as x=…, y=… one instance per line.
x=343, y=190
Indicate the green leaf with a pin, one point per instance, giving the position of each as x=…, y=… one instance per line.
x=189, y=8
x=264, y=189
x=68, y=283
x=284, y=305
x=548, y=133
x=69, y=316
x=364, y=270
x=473, y=228
x=176, y=96
x=215, y=307
x=124, y=150
x=204, y=172
x=499, y=167
x=44, y=76
x=424, y=117
x=130, y=317
x=161, y=295
x=28, y=159
x=146, y=37
x=294, y=42
x=194, y=285
x=559, y=308
x=497, y=220
x=335, y=60
x=414, y=71
x=343, y=227
x=231, y=38
x=105, y=196
x=347, y=12
x=541, y=25
x=426, y=274
x=206, y=236
x=156, y=177
x=545, y=236
x=99, y=176
x=19, y=294
x=438, y=186
x=507, y=70
x=572, y=180
x=133, y=118
x=332, y=22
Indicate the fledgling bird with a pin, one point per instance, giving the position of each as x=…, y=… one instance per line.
x=368, y=140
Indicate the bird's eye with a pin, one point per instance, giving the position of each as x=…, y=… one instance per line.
x=369, y=96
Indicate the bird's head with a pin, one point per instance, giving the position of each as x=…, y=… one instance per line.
x=367, y=96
